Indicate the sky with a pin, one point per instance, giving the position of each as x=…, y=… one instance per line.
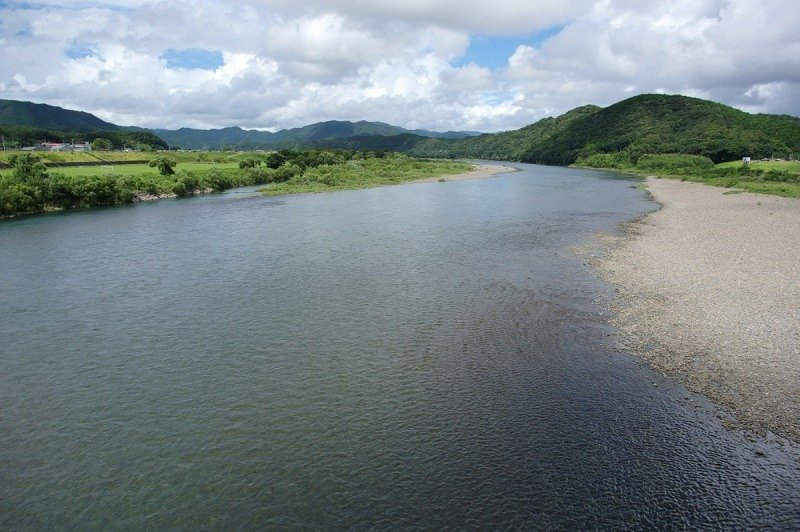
x=439, y=65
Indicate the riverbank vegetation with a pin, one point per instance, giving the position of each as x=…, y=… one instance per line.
x=365, y=173
x=31, y=187
x=779, y=178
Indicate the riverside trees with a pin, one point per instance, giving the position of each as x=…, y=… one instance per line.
x=29, y=187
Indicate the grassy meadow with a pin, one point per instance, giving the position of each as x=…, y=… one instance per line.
x=793, y=167
x=80, y=156
x=132, y=169
x=778, y=178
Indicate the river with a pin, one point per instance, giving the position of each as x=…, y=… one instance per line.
x=429, y=354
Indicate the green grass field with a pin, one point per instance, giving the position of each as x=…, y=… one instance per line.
x=782, y=166
x=81, y=157
x=779, y=178
x=131, y=169
x=95, y=156
x=785, y=189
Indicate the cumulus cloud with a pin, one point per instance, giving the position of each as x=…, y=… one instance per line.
x=288, y=63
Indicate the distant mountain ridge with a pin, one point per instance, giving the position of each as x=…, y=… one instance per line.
x=647, y=123
x=28, y=123
x=52, y=121
x=643, y=124
x=661, y=123
x=40, y=115
x=310, y=135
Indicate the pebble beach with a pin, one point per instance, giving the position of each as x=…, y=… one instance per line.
x=710, y=295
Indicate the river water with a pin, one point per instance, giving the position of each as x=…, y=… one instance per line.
x=430, y=354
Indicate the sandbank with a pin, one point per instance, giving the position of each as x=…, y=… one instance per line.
x=481, y=171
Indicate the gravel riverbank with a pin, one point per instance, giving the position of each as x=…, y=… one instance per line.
x=711, y=292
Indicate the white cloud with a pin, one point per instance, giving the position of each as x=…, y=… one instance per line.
x=288, y=63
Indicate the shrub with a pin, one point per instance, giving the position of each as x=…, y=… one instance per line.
x=604, y=160
x=275, y=160
x=28, y=168
x=189, y=181
x=286, y=172
x=776, y=176
x=260, y=176
x=674, y=163
x=217, y=180
x=101, y=144
x=165, y=165
x=250, y=162
x=19, y=198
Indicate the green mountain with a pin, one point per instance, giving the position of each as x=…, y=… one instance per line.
x=322, y=133
x=43, y=116
x=28, y=123
x=513, y=145
x=657, y=123
x=193, y=139
x=404, y=142
x=644, y=124
x=648, y=123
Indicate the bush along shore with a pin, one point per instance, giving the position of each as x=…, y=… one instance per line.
x=365, y=173
x=737, y=177
x=31, y=187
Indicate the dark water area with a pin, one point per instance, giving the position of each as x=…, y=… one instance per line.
x=425, y=355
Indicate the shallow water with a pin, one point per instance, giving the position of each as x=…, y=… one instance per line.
x=430, y=354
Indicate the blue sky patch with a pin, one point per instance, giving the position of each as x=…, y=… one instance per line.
x=193, y=58
x=26, y=31
x=493, y=52
x=79, y=50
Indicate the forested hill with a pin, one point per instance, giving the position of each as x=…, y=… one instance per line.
x=28, y=123
x=331, y=132
x=510, y=145
x=644, y=124
x=43, y=116
x=648, y=123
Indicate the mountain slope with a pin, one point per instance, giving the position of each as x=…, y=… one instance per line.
x=189, y=138
x=327, y=133
x=648, y=123
x=43, y=116
x=511, y=145
x=28, y=123
x=658, y=123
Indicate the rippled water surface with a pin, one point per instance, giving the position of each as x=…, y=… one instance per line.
x=428, y=354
